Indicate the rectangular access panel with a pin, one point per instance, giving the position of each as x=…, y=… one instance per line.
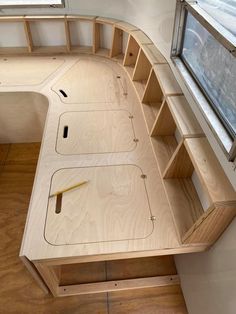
x=95, y=132
x=112, y=206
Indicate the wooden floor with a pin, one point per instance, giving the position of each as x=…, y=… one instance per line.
x=18, y=291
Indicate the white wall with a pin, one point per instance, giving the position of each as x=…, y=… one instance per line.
x=208, y=279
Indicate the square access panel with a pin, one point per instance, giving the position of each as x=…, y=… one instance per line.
x=95, y=132
x=112, y=206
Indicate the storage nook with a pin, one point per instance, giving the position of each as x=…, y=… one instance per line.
x=126, y=174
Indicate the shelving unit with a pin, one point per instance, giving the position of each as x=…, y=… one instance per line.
x=187, y=164
x=194, y=224
x=19, y=25
x=40, y=44
x=120, y=39
x=74, y=24
x=102, y=32
x=160, y=84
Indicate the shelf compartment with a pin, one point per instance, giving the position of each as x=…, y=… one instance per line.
x=131, y=55
x=13, y=44
x=119, y=44
x=102, y=36
x=141, y=73
x=79, y=32
x=51, y=43
x=175, y=117
x=195, y=154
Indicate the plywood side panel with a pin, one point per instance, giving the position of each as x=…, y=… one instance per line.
x=31, y=107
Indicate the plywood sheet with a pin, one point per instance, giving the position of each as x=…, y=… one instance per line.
x=112, y=206
x=94, y=132
x=22, y=71
x=88, y=81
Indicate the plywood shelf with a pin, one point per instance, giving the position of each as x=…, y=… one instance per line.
x=164, y=148
x=49, y=50
x=131, y=53
x=184, y=202
x=81, y=49
x=13, y=50
x=195, y=154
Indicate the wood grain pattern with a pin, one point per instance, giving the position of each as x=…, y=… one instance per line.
x=184, y=118
x=131, y=52
x=142, y=67
x=166, y=79
x=31, y=107
x=104, y=85
x=11, y=70
x=180, y=165
x=156, y=300
x=116, y=192
x=209, y=170
x=114, y=133
x=117, y=42
x=153, y=54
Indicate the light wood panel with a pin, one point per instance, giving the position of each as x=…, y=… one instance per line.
x=209, y=171
x=131, y=52
x=31, y=107
x=140, y=37
x=153, y=54
x=166, y=79
x=11, y=69
x=185, y=120
x=112, y=206
x=102, y=88
x=117, y=42
x=114, y=132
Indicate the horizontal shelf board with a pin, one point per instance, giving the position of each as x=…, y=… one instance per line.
x=81, y=17
x=81, y=49
x=167, y=80
x=103, y=52
x=184, y=202
x=125, y=26
x=184, y=118
x=44, y=17
x=15, y=18
x=49, y=49
x=150, y=111
x=140, y=37
x=153, y=54
x=13, y=50
x=104, y=20
x=119, y=58
x=209, y=170
x=164, y=147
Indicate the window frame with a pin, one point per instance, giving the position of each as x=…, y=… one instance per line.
x=225, y=38
x=51, y=4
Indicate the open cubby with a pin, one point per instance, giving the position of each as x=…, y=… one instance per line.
x=79, y=30
x=160, y=84
x=194, y=156
x=141, y=73
x=13, y=44
x=173, y=115
x=119, y=44
x=131, y=55
x=102, y=38
x=43, y=41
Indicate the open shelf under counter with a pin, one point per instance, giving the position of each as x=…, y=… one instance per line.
x=49, y=50
x=210, y=203
x=81, y=49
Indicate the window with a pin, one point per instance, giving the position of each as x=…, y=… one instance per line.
x=31, y=3
x=203, y=49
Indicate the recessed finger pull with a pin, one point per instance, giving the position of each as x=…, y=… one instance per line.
x=63, y=93
x=65, y=131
